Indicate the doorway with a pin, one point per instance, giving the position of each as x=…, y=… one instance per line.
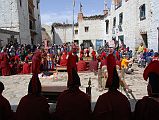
x=144, y=37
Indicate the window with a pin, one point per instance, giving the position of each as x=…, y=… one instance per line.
x=118, y=4
x=76, y=32
x=142, y=12
x=86, y=29
x=114, y=22
x=37, y=5
x=120, y=18
x=107, y=26
x=38, y=16
x=20, y=1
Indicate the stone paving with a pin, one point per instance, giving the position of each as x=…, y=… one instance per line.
x=16, y=86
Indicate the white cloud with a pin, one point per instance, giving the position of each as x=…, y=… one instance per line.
x=49, y=18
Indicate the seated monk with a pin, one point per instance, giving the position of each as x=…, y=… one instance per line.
x=81, y=65
x=148, y=107
x=5, y=109
x=73, y=104
x=33, y=106
x=93, y=64
x=112, y=105
x=26, y=68
x=63, y=60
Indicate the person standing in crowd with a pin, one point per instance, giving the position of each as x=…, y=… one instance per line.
x=5, y=67
x=148, y=107
x=112, y=105
x=5, y=109
x=141, y=48
x=36, y=62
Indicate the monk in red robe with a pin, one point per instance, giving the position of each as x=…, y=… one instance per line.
x=63, y=60
x=5, y=109
x=81, y=65
x=148, y=107
x=33, y=106
x=87, y=52
x=71, y=63
x=103, y=62
x=73, y=104
x=36, y=62
x=94, y=54
x=81, y=54
x=103, y=54
x=5, y=64
x=112, y=105
x=26, y=68
x=93, y=64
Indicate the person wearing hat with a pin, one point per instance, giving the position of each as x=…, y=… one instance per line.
x=112, y=105
x=148, y=107
x=26, y=67
x=5, y=67
x=33, y=106
x=5, y=109
x=36, y=62
x=73, y=104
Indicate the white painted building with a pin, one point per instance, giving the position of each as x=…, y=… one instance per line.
x=127, y=21
x=21, y=16
x=135, y=21
x=90, y=31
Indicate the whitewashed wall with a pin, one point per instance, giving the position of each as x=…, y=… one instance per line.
x=63, y=34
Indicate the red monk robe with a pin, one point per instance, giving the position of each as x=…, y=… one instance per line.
x=93, y=54
x=33, y=106
x=81, y=54
x=71, y=63
x=87, y=52
x=36, y=62
x=112, y=105
x=81, y=65
x=147, y=109
x=103, y=63
x=5, y=108
x=63, y=61
x=93, y=65
x=26, y=68
x=73, y=104
x=5, y=65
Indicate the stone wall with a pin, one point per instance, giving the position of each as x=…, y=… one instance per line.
x=5, y=35
x=38, y=37
x=63, y=34
x=24, y=22
x=9, y=15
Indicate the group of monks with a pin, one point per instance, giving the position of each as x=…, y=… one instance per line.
x=73, y=104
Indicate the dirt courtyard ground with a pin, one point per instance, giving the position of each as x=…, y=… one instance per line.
x=16, y=86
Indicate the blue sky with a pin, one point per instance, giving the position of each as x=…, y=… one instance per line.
x=61, y=10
